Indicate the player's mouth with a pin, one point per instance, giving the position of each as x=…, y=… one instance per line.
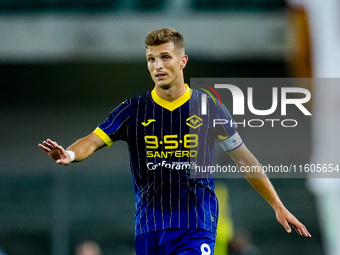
x=160, y=76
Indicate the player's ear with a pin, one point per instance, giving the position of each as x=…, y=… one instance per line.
x=184, y=61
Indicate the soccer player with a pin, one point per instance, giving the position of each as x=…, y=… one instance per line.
x=167, y=136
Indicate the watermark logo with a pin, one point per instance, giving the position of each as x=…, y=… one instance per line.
x=270, y=104
x=204, y=97
x=239, y=100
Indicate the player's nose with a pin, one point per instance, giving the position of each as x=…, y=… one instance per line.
x=158, y=64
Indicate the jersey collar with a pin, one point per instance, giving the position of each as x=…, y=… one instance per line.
x=174, y=104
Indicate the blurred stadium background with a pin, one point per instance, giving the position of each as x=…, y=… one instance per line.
x=65, y=64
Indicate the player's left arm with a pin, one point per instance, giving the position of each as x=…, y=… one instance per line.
x=244, y=158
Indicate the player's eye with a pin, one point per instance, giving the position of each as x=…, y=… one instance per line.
x=151, y=60
x=166, y=57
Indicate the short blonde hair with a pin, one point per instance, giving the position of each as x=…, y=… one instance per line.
x=164, y=35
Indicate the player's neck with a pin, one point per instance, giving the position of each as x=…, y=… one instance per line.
x=171, y=93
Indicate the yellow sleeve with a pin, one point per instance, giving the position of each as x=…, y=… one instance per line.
x=102, y=135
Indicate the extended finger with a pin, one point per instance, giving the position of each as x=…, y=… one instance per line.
x=302, y=231
x=298, y=231
x=52, y=142
x=59, y=147
x=44, y=148
x=48, y=145
x=305, y=232
x=286, y=225
x=54, y=145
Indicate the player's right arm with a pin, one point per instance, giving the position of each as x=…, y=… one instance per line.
x=114, y=127
x=82, y=148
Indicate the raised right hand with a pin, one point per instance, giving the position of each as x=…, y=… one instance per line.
x=56, y=152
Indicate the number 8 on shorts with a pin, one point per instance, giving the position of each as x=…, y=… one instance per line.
x=205, y=249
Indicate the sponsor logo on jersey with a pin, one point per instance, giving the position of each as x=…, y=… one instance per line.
x=174, y=165
x=148, y=122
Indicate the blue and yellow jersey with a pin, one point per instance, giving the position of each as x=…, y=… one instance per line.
x=166, y=140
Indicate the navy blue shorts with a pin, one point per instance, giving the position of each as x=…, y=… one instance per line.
x=175, y=242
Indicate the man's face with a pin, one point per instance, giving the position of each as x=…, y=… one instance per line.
x=165, y=64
